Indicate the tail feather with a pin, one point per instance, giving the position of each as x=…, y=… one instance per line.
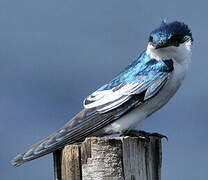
x=28, y=155
x=50, y=144
x=40, y=149
x=82, y=125
x=66, y=135
x=18, y=160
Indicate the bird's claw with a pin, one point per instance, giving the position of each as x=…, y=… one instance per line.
x=144, y=135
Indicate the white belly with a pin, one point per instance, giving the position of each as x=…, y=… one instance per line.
x=133, y=119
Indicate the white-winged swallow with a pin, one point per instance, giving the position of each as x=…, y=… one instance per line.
x=122, y=104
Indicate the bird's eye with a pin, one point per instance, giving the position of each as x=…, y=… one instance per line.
x=150, y=39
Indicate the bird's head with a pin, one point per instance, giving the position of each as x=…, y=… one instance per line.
x=172, y=34
x=171, y=37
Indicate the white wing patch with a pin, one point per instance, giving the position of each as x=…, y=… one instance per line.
x=106, y=100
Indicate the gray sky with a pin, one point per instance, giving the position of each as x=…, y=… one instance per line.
x=53, y=53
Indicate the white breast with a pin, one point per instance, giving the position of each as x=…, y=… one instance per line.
x=181, y=59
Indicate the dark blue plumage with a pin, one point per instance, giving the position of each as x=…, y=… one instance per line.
x=170, y=34
x=143, y=66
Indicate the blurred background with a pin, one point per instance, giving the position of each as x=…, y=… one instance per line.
x=53, y=53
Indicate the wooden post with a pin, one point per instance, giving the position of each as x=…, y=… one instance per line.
x=122, y=158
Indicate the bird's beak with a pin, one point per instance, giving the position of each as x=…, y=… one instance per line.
x=159, y=44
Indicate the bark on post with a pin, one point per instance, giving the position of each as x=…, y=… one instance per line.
x=123, y=158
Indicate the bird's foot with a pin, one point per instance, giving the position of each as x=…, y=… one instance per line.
x=144, y=135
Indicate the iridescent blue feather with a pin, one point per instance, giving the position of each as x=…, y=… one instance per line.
x=143, y=74
x=142, y=66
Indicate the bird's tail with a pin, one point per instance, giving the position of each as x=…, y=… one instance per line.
x=73, y=131
x=50, y=144
x=35, y=151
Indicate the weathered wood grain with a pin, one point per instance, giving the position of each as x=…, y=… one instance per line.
x=123, y=158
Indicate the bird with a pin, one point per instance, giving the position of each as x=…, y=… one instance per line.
x=121, y=105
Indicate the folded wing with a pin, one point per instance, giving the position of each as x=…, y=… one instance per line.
x=149, y=77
